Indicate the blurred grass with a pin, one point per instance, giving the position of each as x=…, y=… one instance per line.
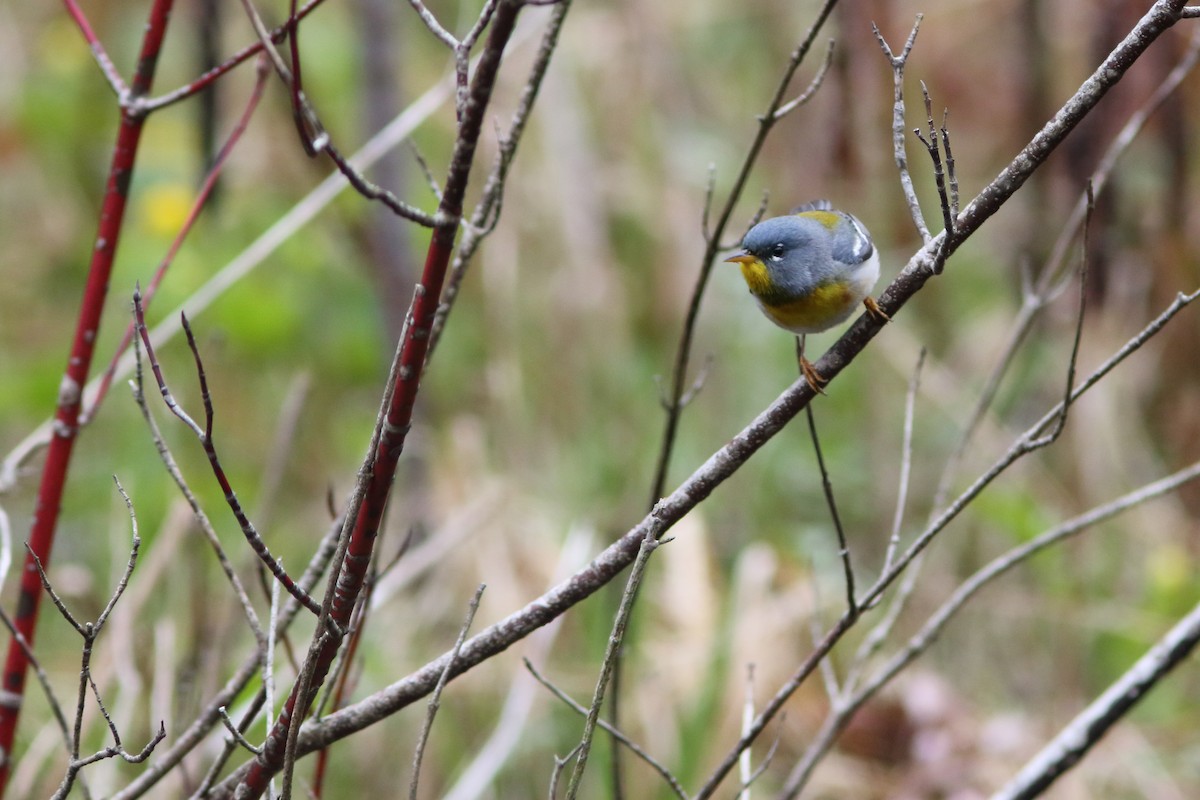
x=540, y=411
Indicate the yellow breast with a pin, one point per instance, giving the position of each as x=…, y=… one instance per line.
x=820, y=309
x=824, y=307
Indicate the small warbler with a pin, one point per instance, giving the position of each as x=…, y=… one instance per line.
x=808, y=271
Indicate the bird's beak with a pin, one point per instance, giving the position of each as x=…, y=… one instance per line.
x=741, y=258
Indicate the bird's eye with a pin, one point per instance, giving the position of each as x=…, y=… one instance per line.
x=777, y=253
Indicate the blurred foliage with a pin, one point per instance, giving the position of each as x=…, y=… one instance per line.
x=540, y=413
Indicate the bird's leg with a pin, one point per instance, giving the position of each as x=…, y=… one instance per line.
x=807, y=369
x=874, y=310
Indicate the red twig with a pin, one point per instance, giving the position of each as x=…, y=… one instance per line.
x=343, y=684
x=70, y=392
x=210, y=181
x=98, y=52
x=236, y=60
x=398, y=418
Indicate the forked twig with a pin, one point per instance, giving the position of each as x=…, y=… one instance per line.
x=617, y=735
x=90, y=631
x=201, y=518
x=205, y=435
x=899, y=133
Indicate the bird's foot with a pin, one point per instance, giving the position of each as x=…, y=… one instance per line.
x=874, y=310
x=811, y=375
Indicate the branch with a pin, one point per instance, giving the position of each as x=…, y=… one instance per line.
x=205, y=435
x=65, y=427
x=899, y=131
x=210, y=181
x=436, y=699
x=392, y=431
x=624, y=740
x=1078, y=737
x=713, y=237
x=729, y=458
x=648, y=545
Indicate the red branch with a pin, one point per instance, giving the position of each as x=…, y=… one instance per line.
x=70, y=392
x=198, y=205
x=237, y=59
x=399, y=414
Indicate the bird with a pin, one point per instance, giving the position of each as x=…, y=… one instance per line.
x=809, y=270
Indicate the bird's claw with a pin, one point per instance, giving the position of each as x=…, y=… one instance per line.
x=874, y=310
x=812, y=376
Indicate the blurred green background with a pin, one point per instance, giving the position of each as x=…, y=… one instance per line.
x=539, y=420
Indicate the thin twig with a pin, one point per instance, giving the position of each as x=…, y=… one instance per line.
x=649, y=544
x=236, y=734
x=831, y=502
x=906, y=451
x=205, y=435
x=90, y=631
x=747, y=782
x=933, y=148
x=206, y=80
x=811, y=90
x=559, y=765
x=435, y=699
x=201, y=518
x=617, y=735
x=1061, y=420
x=899, y=132
x=728, y=459
x=103, y=61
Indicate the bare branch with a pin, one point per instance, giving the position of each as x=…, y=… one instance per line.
x=172, y=467
x=435, y=699
x=649, y=544
x=633, y=746
x=766, y=122
x=811, y=89
x=435, y=27
x=899, y=133
x=831, y=502
x=205, y=435
x=236, y=734
x=933, y=147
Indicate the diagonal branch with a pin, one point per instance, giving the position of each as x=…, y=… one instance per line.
x=732, y=456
